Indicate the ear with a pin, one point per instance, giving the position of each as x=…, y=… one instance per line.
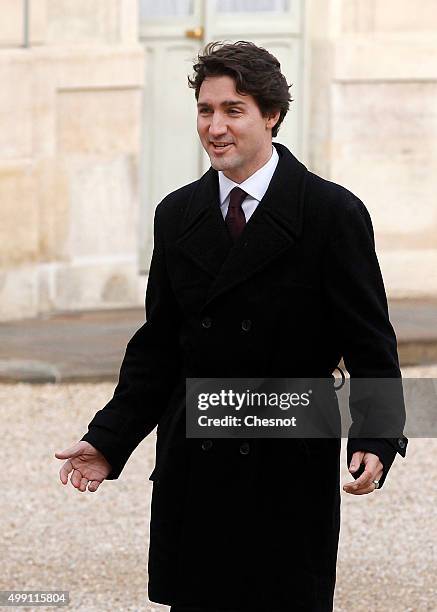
x=272, y=120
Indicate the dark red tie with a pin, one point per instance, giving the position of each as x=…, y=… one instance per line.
x=235, y=219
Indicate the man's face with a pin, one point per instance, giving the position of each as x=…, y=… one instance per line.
x=225, y=117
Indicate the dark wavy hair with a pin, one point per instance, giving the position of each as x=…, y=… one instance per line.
x=254, y=70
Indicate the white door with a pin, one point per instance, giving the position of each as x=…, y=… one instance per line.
x=171, y=156
x=173, y=32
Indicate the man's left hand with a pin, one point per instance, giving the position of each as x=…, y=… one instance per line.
x=373, y=471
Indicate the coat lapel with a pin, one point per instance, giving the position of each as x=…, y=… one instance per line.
x=273, y=227
x=204, y=236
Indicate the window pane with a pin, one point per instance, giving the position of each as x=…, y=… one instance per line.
x=252, y=6
x=151, y=9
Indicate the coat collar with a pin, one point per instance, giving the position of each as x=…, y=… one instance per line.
x=274, y=226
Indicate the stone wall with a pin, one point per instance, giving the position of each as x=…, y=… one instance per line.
x=374, y=125
x=70, y=124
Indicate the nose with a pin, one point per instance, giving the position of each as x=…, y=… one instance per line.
x=217, y=126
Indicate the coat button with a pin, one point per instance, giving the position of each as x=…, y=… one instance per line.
x=401, y=443
x=246, y=325
x=245, y=448
x=206, y=322
x=206, y=445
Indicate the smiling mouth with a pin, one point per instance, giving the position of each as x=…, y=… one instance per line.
x=221, y=146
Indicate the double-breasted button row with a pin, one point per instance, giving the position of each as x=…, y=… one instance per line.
x=246, y=324
x=244, y=447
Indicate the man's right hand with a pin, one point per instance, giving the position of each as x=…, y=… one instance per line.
x=88, y=465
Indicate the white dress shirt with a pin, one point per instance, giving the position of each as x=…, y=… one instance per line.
x=255, y=186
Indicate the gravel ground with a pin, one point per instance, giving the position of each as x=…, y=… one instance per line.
x=95, y=545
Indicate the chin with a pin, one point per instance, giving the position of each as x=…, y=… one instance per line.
x=223, y=164
x=218, y=164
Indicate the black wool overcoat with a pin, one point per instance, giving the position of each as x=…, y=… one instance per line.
x=249, y=524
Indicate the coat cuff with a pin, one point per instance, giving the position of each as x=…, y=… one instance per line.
x=384, y=448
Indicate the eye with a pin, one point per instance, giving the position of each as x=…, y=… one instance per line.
x=204, y=111
x=234, y=111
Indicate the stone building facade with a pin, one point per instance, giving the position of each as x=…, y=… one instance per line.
x=73, y=78
x=70, y=115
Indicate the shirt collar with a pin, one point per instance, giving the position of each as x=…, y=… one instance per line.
x=256, y=185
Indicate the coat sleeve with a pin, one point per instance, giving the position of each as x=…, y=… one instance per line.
x=148, y=373
x=359, y=310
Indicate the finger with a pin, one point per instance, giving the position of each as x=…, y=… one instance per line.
x=69, y=452
x=64, y=471
x=358, y=484
x=372, y=470
x=93, y=485
x=356, y=461
x=379, y=474
x=372, y=462
x=352, y=487
x=349, y=487
x=363, y=491
x=377, y=478
x=365, y=479
x=83, y=484
x=75, y=479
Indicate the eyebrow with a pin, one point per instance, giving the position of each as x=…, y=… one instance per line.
x=224, y=103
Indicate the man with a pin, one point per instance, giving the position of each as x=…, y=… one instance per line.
x=260, y=269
